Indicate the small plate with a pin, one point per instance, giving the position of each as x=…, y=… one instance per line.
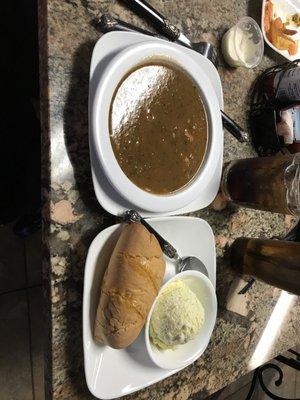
x=114, y=373
x=285, y=8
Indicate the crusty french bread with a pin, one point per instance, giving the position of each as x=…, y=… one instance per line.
x=130, y=285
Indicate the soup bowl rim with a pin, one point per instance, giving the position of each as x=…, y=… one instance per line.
x=117, y=68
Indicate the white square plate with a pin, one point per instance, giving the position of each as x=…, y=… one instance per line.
x=107, y=46
x=114, y=373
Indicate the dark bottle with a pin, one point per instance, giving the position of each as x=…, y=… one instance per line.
x=284, y=84
x=276, y=262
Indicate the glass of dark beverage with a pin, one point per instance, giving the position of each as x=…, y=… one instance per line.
x=264, y=183
x=276, y=262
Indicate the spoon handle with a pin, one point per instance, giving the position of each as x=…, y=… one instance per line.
x=160, y=23
x=108, y=23
x=167, y=248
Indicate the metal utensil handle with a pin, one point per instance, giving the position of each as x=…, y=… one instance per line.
x=233, y=128
x=167, y=248
x=160, y=23
x=170, y=31
x=108, y=23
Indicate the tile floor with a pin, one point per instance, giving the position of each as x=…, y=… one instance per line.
x=21, y=329
x=21, y=317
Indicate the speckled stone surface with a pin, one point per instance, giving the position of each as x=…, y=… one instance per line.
x=73, y=216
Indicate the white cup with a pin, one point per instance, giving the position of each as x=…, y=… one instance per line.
x=243, y=44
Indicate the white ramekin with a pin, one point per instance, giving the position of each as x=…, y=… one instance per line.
x=117, y=68
x=187, y=353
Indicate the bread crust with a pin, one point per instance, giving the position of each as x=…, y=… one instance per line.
x=129, y=287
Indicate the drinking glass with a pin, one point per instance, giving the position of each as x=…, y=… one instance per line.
x=264, y=183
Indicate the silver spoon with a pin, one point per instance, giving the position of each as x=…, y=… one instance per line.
x=184, y=263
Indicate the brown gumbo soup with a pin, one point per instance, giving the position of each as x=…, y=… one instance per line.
x=158, y=127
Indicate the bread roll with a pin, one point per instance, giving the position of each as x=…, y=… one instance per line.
x=130, y=285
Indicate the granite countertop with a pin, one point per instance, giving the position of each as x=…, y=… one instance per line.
x=251, y=328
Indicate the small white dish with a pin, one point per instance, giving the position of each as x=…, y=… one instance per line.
x=187, y=353
x=110, y=199
x=111, y=76
x=114, y=373
x=243, y=44
x=282, y=8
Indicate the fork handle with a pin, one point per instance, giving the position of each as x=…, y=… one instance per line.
x=160, y=23
x=232, y=127
x=108, y=23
